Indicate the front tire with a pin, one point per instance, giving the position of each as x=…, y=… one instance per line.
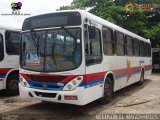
x=108, y=92
x=12, y=85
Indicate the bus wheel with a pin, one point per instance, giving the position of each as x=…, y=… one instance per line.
x=12, y=85
x=140, y=82
x=108, y=92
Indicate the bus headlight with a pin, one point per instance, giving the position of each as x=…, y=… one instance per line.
x=23, y=82
x=73, y=84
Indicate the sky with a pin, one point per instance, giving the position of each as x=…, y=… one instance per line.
x=32, y=7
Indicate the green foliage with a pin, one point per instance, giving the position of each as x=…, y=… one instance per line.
x=136, y=21
x=155, y=30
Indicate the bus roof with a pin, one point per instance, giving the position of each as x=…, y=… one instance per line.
x=9, y=28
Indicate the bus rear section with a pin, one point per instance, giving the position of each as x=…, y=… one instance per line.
x=156, y=59
x=9, y=60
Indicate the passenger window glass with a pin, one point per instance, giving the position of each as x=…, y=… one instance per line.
x=142, y=49
x=1, y=48
x=108, y=43
x=95, y=44
x=136, y=47
x=120, y=44
x=93, y=49
x=149, y=47
x=148, y=50
x=12, y=42
x=145, y=49
x=129, y=46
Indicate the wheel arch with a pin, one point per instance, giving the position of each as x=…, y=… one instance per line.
x=111, y=75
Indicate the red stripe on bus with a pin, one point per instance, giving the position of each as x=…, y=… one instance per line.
x=148, y=66
x=92, y=76
x=68, y=79
x=25, y=76
x=120, y=71
x=4, y=70
x=136, y=68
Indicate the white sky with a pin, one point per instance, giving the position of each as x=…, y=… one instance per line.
x=33, y=7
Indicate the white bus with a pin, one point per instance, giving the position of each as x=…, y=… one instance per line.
x=9, y=59
x=76, y=57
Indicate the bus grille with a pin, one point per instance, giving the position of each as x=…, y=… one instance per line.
x=46, y=78
x=49, y=95
x=48, y=82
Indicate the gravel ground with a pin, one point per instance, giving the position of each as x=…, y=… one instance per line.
x=133, y=99
x=14, y=102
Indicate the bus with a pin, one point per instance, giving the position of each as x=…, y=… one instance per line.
x=9, y=60
x=75, y=57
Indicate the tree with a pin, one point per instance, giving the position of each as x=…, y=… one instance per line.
x=138, y=21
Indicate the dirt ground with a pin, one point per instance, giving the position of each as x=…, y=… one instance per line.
x=133, y=99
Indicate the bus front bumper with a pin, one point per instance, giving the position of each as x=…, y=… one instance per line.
x=69, y=97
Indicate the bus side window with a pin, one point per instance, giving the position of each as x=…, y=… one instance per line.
x=1, y=48
x=142, y=53
x=120, y=44
x=93, y=49
x=12, y=42
x=145, y=49
x=129, y=45
x=108, y=42
x=149, y=50
x=136, y=47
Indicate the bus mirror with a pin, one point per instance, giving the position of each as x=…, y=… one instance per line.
x=92, y=32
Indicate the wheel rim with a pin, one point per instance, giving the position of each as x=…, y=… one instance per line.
x=13, y=85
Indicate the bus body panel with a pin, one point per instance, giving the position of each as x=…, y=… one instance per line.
x=125, y=74
x=118, y=68
x=119, y=64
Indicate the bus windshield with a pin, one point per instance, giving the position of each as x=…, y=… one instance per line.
x=51, y=50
